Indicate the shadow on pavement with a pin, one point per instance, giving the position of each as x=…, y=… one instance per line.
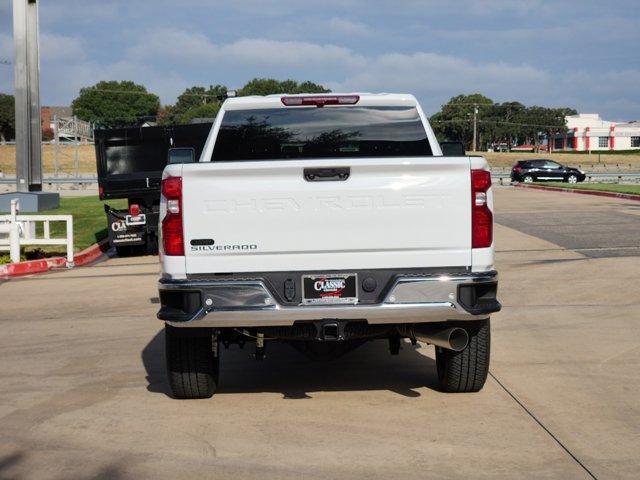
x=8, y=462
x=15, y=463
x=153, y=359
x=290, y=373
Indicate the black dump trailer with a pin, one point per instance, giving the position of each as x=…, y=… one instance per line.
x=130, y=163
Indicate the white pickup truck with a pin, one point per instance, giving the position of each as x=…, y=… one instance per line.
x=325, y=221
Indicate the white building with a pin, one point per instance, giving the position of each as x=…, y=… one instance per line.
x=588, y=132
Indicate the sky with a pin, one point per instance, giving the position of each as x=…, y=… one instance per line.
x=581, y=54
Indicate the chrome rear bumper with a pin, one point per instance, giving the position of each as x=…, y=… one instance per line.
x=250, y=304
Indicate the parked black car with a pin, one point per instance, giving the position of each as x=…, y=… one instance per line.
x=528, y=171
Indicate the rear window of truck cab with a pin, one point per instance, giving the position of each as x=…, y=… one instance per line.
x=312, y=132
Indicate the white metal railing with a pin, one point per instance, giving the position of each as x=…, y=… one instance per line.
x=21, y=231
x=73, y=127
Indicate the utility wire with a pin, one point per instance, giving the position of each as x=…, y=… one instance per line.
x=107, y=90
x=502, y=122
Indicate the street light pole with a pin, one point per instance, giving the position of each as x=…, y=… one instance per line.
x=475, y=127
x=28, y=124
x=27, y=96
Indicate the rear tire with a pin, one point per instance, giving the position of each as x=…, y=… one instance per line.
x=192, y=368
x=467, y=370
x=527, y=179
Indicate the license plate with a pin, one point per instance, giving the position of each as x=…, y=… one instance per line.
x=329, y=289
x=136, y=219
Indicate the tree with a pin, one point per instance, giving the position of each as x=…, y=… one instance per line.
x=269, y=86
x=206, y=110
x=455, y=121
x=501, y=122
x=114, y=104
x=546, y=122
x=165, y=115
x=195, y=102
x=508, y=122
x=198, y=96
x=7, y=117
x=202, y=102
x=47, y=133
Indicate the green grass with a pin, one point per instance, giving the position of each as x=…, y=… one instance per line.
x=4, y=258
x=605, y=187
x=89, y=219
x=89, y=225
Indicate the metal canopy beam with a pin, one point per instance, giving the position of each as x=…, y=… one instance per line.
x=27, y=95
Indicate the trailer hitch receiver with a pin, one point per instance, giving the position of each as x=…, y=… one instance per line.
x=330, y=330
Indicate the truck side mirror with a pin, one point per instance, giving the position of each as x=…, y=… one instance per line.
x=452, y=149
x=181, y=155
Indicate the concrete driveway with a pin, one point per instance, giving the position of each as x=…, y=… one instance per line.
x=83, y=393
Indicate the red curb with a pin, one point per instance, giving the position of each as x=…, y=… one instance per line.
x=84, y=257
x=598, y=193
x=24, y=268
x=91, y=253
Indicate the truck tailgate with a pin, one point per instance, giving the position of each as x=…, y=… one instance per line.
x=265, y=216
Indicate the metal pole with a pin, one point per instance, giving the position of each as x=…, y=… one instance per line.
x=475, y=127
x=70, y=242
x=76, y=138
x=15, y=209
x=56, y=146
x=27, y=96
x=14, y=233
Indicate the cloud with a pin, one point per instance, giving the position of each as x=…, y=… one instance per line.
x=426, y=74
x=169, y=60
x=534, y=51
x=61, y=48
x=53, y=48
x=287, y=53
x=430, y=76
x=347, y=27
x=6, y=47
x=434, y=78
x=182, y=48
x=82, y=11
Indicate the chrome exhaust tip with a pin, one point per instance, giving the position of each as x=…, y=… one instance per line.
x=451, y=338
x=457, y=339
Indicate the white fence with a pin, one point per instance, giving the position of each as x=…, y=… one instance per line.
x=20, y=230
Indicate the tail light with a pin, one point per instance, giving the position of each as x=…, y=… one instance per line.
x=172, y=236
x=517, y=168
x=320, y=100
x=134, y=209
x=481, y=216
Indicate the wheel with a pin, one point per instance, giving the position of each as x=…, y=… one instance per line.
x=527, y=179
x=467, y=370
x=572, y=179
x=192, y=368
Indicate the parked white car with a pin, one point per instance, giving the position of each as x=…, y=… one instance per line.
x=325, y=221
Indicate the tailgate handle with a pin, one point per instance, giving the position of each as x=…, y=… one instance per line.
x=335, y=174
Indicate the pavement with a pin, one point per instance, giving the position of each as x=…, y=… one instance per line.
x=84, y=394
